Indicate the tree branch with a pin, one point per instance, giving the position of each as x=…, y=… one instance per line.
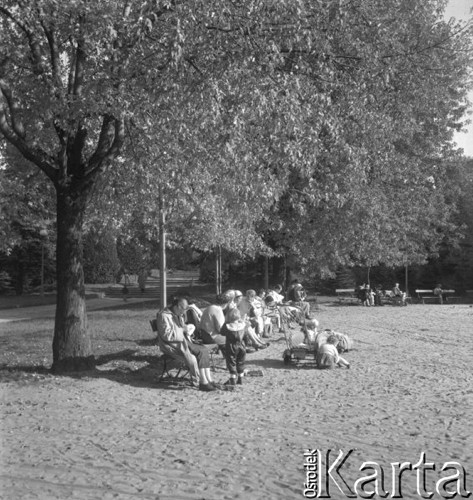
x=36, y=155
x=112, y=137
x=16, y=123
x=105, y=140
x=32, y=42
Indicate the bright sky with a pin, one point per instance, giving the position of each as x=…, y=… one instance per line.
x=461, y=9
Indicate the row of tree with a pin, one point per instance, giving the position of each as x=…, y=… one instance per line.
x=320, y=130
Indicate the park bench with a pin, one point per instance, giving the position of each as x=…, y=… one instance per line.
x=428, y=296
x=347, y=295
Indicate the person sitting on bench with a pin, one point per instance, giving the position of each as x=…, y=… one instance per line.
x=397, y=292
x=211, y=322
x=297, y=296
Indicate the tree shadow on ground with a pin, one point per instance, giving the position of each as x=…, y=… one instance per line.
x=129, y=366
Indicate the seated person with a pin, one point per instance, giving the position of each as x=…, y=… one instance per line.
x=261, y=294
x=327, y=354
x=174, y=339
x=271, y=310
x=299, y=301
x=211, y=322
x=234, y=298
x=397, y=292
x=193, y=313
x=378, y=295
x=290, y=291
x=285, y=312
x=266, y=326
x=245, y=303
x=245, y=306
x=276, y=293
x=255, y=313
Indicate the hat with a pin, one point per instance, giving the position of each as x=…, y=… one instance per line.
x=298, y=287
x=238, y=294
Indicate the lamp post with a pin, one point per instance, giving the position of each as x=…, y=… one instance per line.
x=43, y=233
x=407, y=278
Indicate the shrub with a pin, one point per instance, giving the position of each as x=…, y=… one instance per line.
x=5, y=282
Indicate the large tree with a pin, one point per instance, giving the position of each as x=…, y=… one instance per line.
x=70, y=77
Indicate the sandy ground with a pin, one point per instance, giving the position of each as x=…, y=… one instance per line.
x=119, y=434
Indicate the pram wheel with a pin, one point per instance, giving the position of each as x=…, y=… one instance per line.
x=287, y=359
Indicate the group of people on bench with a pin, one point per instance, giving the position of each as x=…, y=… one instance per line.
x=376, y=295
x=234, y=323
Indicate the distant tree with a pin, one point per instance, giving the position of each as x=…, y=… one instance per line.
x=71, y=75
x=26, y=223
x=382, y=100
x=101, y=263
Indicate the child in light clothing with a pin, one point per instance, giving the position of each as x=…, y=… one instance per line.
x=235, y=351
x=327, y=354
x=310, y=331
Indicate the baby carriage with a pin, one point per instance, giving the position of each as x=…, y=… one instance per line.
x=301, y=344
x=298, y=346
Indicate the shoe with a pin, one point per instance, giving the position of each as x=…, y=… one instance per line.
x=240, y=380
x=207, y=387
x=264, y=346
x=230, y=381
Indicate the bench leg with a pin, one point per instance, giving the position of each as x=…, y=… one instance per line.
x=165, y=371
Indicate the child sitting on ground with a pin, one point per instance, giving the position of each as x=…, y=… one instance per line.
x=327, y=355
x=235, y=351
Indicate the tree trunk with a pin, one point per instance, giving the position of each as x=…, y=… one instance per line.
x=162, y=252
x=266, y=272
x=218, y=269
x=72, y=349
